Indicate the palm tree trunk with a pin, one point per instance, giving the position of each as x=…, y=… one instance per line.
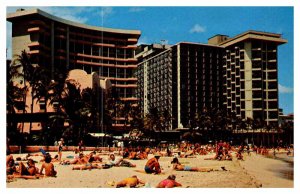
x=24, y=108
x=31, y=111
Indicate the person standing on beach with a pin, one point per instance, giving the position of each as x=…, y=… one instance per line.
x=80, y=146
x=60, y=148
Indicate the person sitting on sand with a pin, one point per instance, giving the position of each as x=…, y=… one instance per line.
x=10, y=167
x=153, y=166
x=130, y=181
x=29, y=172
x=9, y=157
x=169, y=182
x=179, y=167
x=48, y=166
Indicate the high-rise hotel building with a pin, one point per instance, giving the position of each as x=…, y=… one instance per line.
x=238, y=74
x=183, y=79
x=55, y=42
x=251, y=75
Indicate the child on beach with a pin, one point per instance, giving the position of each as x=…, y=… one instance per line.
x=48, y=166
x=169, y=182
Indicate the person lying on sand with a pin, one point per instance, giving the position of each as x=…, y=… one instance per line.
x=179, y=167
x=80, y=160
x=220, y=155
x=169, y=182
x=130, y=181
x=48, y=166
x=113, y=161
x=55, y=159
x=29, y=172
x=189, y=153
x=153, y=166
x=87, y=166
x=95, y=157
x=140, y=155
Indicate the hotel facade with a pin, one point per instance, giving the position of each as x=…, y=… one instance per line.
x=54, y=42
x=239, y=75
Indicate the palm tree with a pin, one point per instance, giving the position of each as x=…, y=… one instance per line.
x=23, y=69
x=14, y=96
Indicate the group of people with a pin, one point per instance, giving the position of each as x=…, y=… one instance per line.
x=95, y=160
x=17, y=169
x=134, y=181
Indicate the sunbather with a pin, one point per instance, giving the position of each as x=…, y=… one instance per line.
x=169, y=182
x=130, y=181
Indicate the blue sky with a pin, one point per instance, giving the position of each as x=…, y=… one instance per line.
x=193, y=24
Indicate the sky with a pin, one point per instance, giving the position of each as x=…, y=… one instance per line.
x=192, y=24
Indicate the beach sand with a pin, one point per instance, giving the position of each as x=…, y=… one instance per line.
x=239, y=174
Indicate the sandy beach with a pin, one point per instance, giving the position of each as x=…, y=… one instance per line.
x=239, y=174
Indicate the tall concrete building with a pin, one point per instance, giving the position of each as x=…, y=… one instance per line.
x=251, y=75
x=55, y=42
x=237, y=74
x=182, y=79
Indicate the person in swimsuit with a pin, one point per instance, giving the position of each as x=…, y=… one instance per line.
x=179, y=167
x=60, y=148
x=169, y=182
x=130, y=181
x=48, y=166
x=153, y=166
x=113, y=161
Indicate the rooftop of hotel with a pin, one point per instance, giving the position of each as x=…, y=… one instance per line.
x=23, y=12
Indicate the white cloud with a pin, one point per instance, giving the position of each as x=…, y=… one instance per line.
x=284, y=89
x=197, y=29
x=136, y=9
